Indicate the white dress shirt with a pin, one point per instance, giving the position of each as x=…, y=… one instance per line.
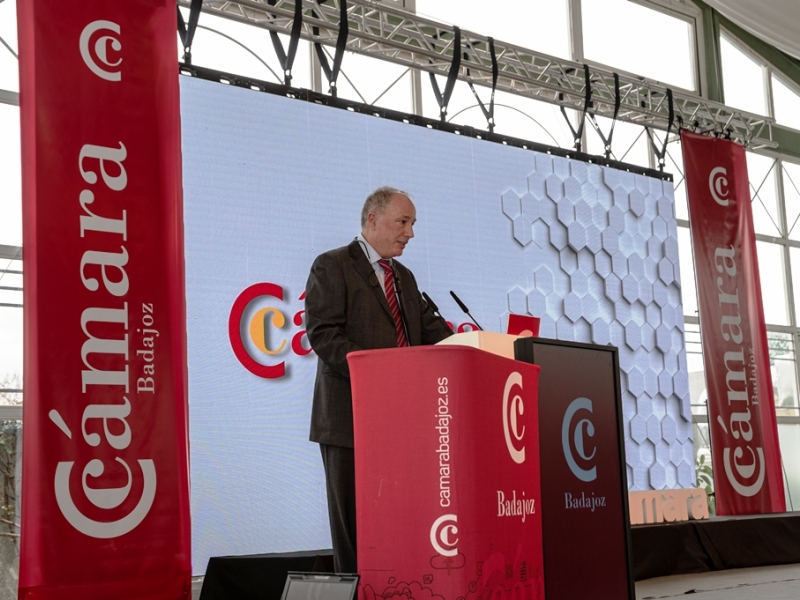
x=373, y=257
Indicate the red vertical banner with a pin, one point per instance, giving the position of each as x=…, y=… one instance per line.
x=105, y=496
x=741, y=408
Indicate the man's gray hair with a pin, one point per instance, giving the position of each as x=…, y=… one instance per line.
x=377, y=201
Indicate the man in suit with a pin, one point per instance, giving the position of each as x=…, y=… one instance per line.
x=359, y=298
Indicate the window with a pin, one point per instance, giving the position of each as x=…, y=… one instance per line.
x=515, y=116
x=10, y=176
x=742, y=78
x=790, y=181
x=773, y=284
x=784, y=372
x=629, y=144
x=794, y=254
x=373, y=81
x=9, y=65
x=232, y=47
x=786, y=103
x=761, y=171
x=688, y=285
x=10, y=321
x=640, y=40
x=753, y=85
x=789, y=436
x=10, y=464
x=541, y=25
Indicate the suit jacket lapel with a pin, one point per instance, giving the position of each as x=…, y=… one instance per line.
x=363, y=267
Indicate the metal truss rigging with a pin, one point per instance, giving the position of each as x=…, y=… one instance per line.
x=387, y=33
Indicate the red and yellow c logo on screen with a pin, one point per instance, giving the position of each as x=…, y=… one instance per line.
x=261, y=323
x=258, y=328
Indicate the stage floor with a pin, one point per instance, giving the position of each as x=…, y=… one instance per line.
x=780, y=582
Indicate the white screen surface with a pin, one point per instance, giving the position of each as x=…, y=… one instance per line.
x=271, y=182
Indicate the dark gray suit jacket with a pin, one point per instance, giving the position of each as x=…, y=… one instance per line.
x=346, y=310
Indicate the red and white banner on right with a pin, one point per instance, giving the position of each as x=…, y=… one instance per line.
x=744, y=433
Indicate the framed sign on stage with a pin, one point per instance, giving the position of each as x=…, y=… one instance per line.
x=585, y=527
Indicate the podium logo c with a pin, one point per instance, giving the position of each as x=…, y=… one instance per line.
x=513, y=408
x=444, y=535
x=583, y=426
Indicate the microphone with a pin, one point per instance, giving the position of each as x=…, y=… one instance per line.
x=396, y=279
x=463, y=307
x=398, y=289
x=431, y=303
x=435, y=309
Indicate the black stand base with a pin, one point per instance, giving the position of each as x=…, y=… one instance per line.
x=658, y=550
x=259, y=576
x=716, y=544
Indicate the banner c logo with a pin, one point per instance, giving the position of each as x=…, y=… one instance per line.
x=513, y=408
x=441, y=530
x=105, y=498
x=100, y=50
x=582, y=425
x=745, y=470
x=718, y=185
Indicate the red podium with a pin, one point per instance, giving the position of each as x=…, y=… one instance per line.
x=447, y=474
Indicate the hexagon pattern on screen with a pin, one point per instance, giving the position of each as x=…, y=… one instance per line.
x=608, y=274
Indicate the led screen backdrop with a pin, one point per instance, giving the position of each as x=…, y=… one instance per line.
x=270, y=182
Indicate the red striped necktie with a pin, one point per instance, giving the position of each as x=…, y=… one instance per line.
x=394, y=306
